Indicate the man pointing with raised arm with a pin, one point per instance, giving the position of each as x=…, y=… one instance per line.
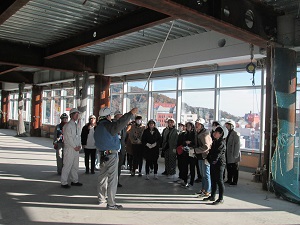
x=108, y=143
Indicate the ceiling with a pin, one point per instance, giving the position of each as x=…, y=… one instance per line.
x=70, y=35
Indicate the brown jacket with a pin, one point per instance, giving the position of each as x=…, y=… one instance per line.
x=136, y=133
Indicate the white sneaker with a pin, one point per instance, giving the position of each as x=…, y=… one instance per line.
x=155, y=177
x=147, y=177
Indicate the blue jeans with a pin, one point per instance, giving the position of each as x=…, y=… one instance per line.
x=204, y=167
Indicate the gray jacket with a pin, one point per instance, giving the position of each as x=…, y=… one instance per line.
x=233, y=153
x=173, y=137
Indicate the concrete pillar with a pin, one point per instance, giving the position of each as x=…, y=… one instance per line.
x=4, y=108
x=101, y=93
x=281, y=70
x=285, y=85
x=36, y=111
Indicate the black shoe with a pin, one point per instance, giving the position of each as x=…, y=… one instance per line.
x=93, y=172
x=87, y=172
x=164, y=173
x=66, y=186
x=120, y=185
x=233, y=184
x=76, y=184
x=219, y=201
x=210, y=198
x=227, y=182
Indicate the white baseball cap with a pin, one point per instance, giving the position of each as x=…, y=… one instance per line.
x=104, y=112
x=74, y=110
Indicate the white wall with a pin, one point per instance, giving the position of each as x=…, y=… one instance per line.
x=200, y=49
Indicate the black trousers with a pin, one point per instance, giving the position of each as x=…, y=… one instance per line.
x=150, y=164
x=188, y=162
x=137, y=157
x=87, y=154
x=216, y=175
x=232, y=172
x=129, y=161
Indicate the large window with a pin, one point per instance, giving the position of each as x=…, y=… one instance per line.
x=196, y=104
x=240, y=79
x=243, y=107
x=116, y=97
x=164, y=106
x=197, y=82
x=140, y=101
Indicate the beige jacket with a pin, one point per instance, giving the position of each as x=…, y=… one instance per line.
x=203, y=142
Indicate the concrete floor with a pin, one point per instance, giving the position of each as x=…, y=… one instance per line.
x=30, y=193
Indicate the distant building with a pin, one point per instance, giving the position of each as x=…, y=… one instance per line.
x=162, y=112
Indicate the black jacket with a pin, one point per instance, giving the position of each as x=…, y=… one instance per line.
x=217, y=152
x=147, y=137
x=84, y=133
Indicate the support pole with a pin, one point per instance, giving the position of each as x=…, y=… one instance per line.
x=36, y=111
x=101, y=93
x=4, y=108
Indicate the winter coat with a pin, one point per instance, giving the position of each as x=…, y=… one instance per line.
x=136, y=133
x=233, y=153
x=217, y=152
x=155, y=137
x=203, y=143
x=128, y=141
x=84, y=133
x=171, y=143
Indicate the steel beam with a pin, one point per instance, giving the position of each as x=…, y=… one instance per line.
x=212, y=19
x=135, y=21
x=6, y=69
x=17, y=77
x=14, y=54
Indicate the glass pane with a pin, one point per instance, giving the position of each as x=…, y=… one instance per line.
x=56, y=111
x=137, y=86
x=164, y=84
x=242, y=78
x=243, y=107
x=57, y=92
x=139, y=101
x=298, y=98
x=298, y=75
x=297, y=130
x=164, y=106
x=195, y=82
x=69, y=104
x=197, y=104
x=47, y=94
x=70, y=92
x=47, y=111
x=116, y=103
x=116, y=88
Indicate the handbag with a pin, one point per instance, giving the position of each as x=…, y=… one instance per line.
x=179, y=149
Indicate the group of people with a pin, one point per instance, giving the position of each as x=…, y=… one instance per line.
x=104, y=136
x=116, y=138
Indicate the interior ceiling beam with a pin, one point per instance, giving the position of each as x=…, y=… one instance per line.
x=6, y=69
x=209, y=14
x=17, y=77
x=14, y=54
x=9, y=8
x=135, y=21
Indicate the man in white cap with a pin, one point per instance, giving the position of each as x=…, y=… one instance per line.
x=72, y=144
x=108, y=142
x=233, y=153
